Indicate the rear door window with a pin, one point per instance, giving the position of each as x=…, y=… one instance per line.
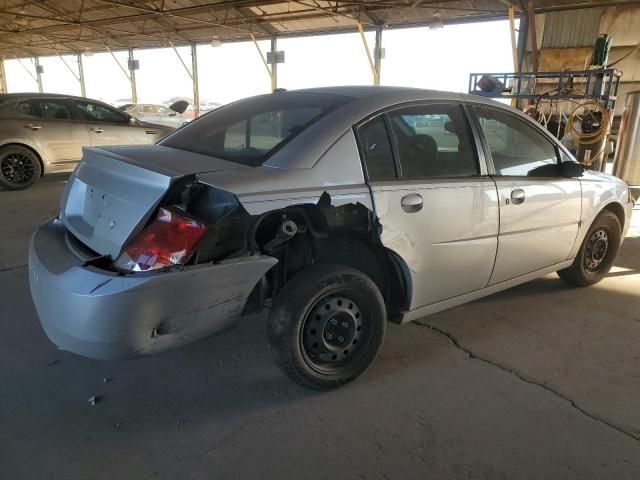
x=150, y=109
x=27, y=109
x=433, y=141
x=54, y=110
x=44, y=109
x=376, y=149
x=250, y=131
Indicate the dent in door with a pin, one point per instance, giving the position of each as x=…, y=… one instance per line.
x=450, y=245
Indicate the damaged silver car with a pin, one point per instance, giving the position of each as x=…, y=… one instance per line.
x=343, y=208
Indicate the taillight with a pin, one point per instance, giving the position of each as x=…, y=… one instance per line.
x=170, y=239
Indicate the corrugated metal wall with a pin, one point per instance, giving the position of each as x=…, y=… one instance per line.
x=574, y=28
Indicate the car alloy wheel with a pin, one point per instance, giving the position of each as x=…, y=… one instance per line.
x=17, y=168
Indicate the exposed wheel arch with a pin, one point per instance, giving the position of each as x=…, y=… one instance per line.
x=345, y=235
x=597, y=252
x=617, y=210
x=383, y=266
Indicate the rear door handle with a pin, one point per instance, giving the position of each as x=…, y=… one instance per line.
x=97, y=130
x=517, y=196
x=411, y=203
x=33, y=126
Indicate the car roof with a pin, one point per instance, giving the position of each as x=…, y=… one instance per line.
x=35, y=95
x=368, y=91
x=307, y=147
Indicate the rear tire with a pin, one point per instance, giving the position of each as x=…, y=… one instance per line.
x=597, y=252
x=19, y=167
x=326, y=326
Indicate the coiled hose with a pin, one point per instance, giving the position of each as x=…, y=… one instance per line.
x=594, y=137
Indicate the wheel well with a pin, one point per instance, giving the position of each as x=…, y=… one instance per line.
x=345, y=235
x=617, y=210
x=32, y=150
x=373, y=260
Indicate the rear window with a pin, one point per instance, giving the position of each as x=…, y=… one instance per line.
x=251, y=130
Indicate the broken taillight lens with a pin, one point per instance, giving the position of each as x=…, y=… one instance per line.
x=170, y=239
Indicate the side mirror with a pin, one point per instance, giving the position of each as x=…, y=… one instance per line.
x=572, y=169
x=132, y=121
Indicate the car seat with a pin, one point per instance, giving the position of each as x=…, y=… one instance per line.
x=419, y=155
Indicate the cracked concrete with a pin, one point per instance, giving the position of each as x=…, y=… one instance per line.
x=527, y=379
x=220, y=409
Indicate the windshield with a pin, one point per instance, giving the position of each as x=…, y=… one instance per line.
x=250, y=131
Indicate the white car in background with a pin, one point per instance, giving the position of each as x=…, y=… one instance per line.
x=170, y=116
x=205, y=107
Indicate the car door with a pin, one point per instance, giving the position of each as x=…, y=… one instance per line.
x=108, y=126
x=49, y=123
x=437, y=207
x=539, y=209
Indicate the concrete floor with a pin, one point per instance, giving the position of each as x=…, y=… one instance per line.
x=542, y=381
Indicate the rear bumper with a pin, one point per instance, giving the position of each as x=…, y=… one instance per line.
x=100, y=314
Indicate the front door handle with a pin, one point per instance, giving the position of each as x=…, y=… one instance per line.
x=411, y=203
x=517, y=196
x=97, y=130
x=33, y=126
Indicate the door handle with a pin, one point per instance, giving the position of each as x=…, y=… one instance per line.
x=33, y=126
x=411, y=203
x=97, y=130
x=517, y=196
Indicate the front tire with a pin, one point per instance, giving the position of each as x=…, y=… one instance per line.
x=597, y=252
x=19, y=167
x=326, y=326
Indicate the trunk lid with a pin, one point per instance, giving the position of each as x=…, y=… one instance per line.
x=114, y=190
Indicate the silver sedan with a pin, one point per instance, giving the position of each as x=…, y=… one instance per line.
x=43, y=133
x=347, y=207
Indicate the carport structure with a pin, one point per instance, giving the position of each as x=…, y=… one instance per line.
x=31, y=29
x=540, y=381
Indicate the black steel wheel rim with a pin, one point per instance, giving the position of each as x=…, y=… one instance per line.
x=596, y=250
x=334, y=332
x=17, y=168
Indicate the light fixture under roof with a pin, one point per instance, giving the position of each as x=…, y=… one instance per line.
x=215, y=41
